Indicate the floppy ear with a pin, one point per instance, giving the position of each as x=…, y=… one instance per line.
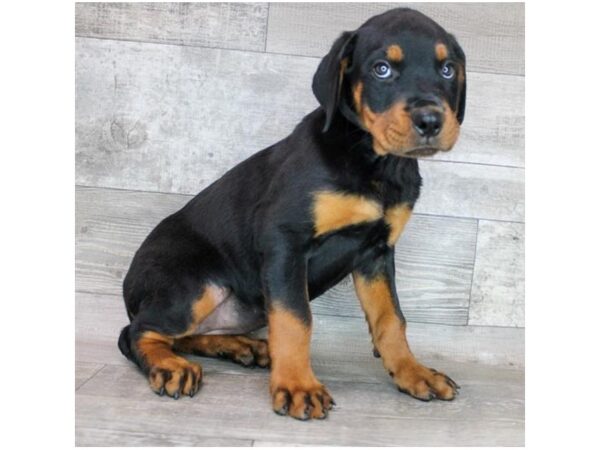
x=327, y=82
x=462, y=102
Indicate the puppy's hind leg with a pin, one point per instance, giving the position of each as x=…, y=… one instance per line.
x=150, y=339
x=243, y=350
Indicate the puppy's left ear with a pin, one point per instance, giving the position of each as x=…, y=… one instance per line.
x=462, y=100
x=328, y=80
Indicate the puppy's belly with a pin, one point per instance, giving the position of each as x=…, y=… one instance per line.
x=232, y=317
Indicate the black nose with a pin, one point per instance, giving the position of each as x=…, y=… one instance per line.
x=427, y=121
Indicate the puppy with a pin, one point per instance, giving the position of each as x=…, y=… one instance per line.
x=290, y=222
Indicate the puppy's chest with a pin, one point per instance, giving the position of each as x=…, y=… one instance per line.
x=335, y=212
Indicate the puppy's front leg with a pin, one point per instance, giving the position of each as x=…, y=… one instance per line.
x=294, y=388
x=375, y=287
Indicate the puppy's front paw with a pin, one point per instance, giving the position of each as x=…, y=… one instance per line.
x=303, y=402
x=424, y=384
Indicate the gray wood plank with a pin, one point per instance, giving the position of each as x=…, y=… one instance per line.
x=434, y=257
x=210, y=109
x=498, y=295
x=471, y=190
x=97, y=437
x=224, y=25
x=275, y=444
x=84, y=371
x=337, y=341
x=98, y=322
x=489, y=410
x=110, y=226
x=492, y=34
x=184, y=115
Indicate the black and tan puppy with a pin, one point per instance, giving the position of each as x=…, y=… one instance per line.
x=290, y=222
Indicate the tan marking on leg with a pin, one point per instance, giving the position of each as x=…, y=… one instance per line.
x=332, y=211
x=203, y=306
x=387, y=330
x=292, y=379
x=441, y=51
x=206, y=303
x=397, y=217
x=167, y=372
x=389, y=338
x=290, y=348
x=155, y=347
x=394, y=53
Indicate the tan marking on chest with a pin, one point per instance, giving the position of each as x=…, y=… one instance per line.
x=397, y=217
x=333, y=211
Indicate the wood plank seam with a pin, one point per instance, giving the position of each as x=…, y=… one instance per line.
x=91, y=376
x=267, y=26
x=472, y=276
x=190, y=196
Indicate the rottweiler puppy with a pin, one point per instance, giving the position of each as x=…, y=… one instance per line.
x=291, y=221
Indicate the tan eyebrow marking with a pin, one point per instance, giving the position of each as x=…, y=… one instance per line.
x=394, y=53
x=441, y=51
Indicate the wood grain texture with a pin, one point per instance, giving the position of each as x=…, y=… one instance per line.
x=471, y=190
x=493, y=131
x=209, y=109
x=498, y=294
x=102, y=437
x=491, y=34
x=224, y=25
x=434, y=257
x=336, y=340
x=109, y=228
x=489, y=410
x=84, y=371
x=173, y=119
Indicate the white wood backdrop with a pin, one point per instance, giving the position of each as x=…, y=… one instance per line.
x=170, y=96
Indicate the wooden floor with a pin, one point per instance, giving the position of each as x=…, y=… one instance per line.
x=115, y=407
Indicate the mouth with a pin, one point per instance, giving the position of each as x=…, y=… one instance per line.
x=422, y=151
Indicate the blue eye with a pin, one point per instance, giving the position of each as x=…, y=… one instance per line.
x=382, y=70
x=447, y=70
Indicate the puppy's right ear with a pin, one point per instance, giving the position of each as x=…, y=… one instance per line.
x=462, y=102
x=328, y=80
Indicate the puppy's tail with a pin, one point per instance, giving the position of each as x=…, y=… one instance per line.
x=125, y=343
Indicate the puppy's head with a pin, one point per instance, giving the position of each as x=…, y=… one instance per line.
x=401, y=78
